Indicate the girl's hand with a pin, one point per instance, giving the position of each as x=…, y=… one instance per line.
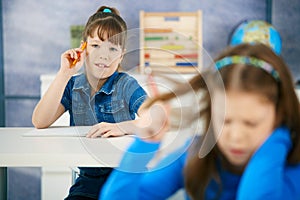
x=67, y=59
x=105, y=130
x=279, y=140
x=154, y=122
x=266, y=169
x=152, y=125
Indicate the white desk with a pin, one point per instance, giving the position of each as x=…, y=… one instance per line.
x=57, y=155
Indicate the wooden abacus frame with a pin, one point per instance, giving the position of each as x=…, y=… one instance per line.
x=159, y=25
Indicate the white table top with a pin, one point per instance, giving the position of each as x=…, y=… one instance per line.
x=43, y=151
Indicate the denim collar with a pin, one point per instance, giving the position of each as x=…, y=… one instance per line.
x=108, y=87
x=81, y=83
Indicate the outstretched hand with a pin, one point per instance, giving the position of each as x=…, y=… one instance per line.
x=152, y=125
x=154, y=122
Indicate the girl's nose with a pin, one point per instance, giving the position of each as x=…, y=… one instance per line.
x=103, y=56
x=103, y=53
x=235, y=133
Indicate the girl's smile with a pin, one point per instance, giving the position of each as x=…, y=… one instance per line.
x=101, y=65
x=103, y=59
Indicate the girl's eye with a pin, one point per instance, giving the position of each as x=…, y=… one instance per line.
x=250, y=124
x=113, y=49
x=95, y=45
x=227, y=121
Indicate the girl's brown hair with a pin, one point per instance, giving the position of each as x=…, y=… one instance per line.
x=199, y=171
x=109, y=23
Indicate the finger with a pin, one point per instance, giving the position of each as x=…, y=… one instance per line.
x=102, y=128
x=97, y=130
x=92, y=131
x=81, y=57
x=96, y=134
x=107, y=134
x=72, y=53
x=75, y=53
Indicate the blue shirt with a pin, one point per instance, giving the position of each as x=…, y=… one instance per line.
x=117, y=100
x=267, y=175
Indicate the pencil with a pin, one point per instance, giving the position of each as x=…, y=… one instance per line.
x=83, y=46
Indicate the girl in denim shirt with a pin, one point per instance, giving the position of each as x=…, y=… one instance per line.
x=101, y=96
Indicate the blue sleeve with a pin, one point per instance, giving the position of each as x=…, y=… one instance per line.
x=266, y=175
x=133, y=180
x=66, y=100
x=134, y=94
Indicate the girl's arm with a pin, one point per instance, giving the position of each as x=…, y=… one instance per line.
x=134, y=96
x=266, y=175
x=49, y=108
x=134, y=181
x=149, y=125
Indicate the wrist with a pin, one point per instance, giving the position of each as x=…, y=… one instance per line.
x=62, y=75
x=127, y=127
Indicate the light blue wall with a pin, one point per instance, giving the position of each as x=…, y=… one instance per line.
x=37, y=32
x=286, y=18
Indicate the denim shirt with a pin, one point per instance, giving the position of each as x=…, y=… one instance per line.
x=117, y=100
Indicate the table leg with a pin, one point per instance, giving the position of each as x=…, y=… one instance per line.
x=3, y=183
x=56, y=182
